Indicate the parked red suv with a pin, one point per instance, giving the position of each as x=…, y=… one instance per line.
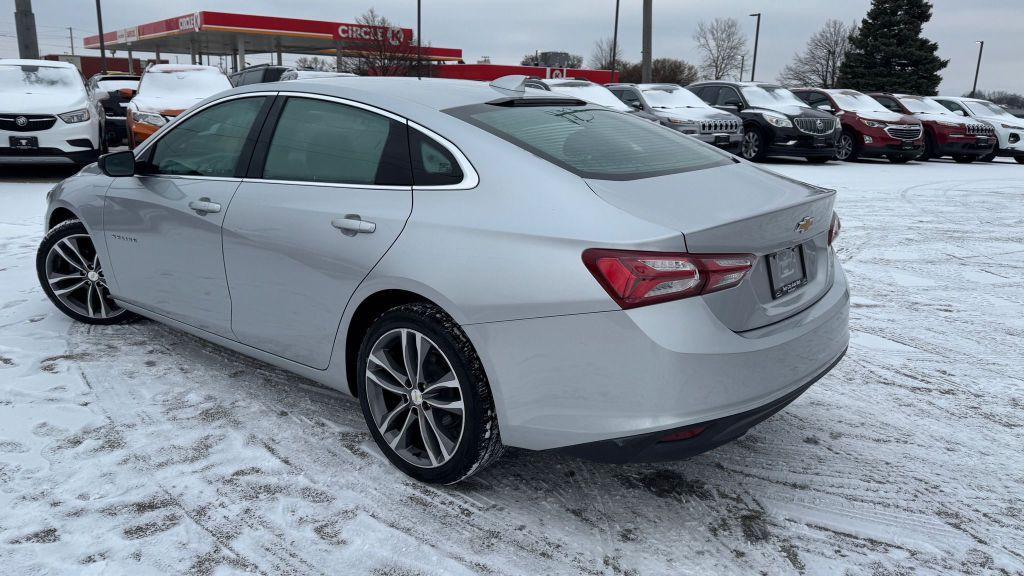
x=869, y=129
x=945, y=133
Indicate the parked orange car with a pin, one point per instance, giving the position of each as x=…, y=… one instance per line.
x=165, y=91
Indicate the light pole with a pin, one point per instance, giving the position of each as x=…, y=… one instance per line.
x=981, y=48
x=645, y=67
x=419, y=40
x=757, y=36
x=103, y=45
x=615, y=40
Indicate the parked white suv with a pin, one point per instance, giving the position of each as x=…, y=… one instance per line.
x=1009, y=128
x=47, y=114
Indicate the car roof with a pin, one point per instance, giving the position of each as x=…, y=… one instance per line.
x=182, y=68
x=738, y=83
x=41, y=63
x=404, y=93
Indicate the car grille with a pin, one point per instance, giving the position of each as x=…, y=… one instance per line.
x=719, y=126
x=33, y=122
x=980, y=129
x=816, y=125
x=903, y=131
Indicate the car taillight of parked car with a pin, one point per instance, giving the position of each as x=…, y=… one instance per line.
x=635, y=279
x=834, y=228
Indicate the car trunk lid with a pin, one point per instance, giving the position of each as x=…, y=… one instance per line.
x=742, y=209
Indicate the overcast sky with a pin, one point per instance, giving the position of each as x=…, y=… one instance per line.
x=505, y=30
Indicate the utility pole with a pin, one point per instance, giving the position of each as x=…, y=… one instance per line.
x=646, y=67
x=981, y=47
x=25, y=24
x=71, y=36
x=419, y=39
x=615, y=40
x=103, y=44
x=757, y=36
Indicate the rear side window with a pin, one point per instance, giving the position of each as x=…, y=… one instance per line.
x=432, y=163
x=318, y=141
x=594, y=142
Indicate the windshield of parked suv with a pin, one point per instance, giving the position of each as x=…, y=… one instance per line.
x=987, y=109
x=199, y=83
x=854, y=101
x=591, y=93
x=923, y=105
x=771, y=96
x=672, y=98
x=594, y=142
x=22, y=79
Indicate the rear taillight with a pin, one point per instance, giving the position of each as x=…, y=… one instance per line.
x=640, y=278
x=834, y=228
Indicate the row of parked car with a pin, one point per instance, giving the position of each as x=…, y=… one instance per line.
x=50, y=113
x=759, y=120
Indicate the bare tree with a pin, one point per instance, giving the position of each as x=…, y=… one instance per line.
x=818, y=65
x=601, y=57
x=722, y=46
x=385, y=53
x=315, y=63
x=673, y=71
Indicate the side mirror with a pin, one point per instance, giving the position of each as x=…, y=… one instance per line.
x=118, y=164
x=959, y=112
x=731, y=105
x=634, y=105
x=827, y=108
x=126, y=93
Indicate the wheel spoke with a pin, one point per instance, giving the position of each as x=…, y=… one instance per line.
x=396, y=389
x=412, y=355
x=402, y=406
x=88, y=300
x=64, y=291
x=55, y=279
x=74, y=250
x=378, y=358
x=452, y=405
x=60, y=251
x=429, y=439
x=102, y=300
x=443, y=443
x=405, y=428
x=447, y=382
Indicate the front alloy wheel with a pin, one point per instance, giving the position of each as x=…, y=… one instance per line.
x=844, y=148
x=71, y=274
x=425, y=396
x=752, y=147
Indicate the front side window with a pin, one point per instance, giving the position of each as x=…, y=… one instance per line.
x=952, y=106
x=208, y=143
x=320, y=141
x=728, y=97
x=889, y=104
x=593, y=142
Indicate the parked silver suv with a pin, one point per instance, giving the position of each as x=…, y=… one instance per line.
x=682, y=110
x=481, y=266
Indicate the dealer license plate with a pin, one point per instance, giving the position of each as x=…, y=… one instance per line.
x=24, y=142
x=786, y=271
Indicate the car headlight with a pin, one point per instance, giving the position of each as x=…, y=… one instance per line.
x=873, y=123
x=75, y=117
x=149, y=118
x=951, y=124
x=1012, y=127
x=777, y=121
x=681, y=122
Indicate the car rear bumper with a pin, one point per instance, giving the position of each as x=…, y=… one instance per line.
x=575, y=380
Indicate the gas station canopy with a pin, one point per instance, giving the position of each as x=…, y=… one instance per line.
x=222, y=33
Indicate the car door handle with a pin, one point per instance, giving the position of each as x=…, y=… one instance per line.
x=352, y=224
x=203, y=206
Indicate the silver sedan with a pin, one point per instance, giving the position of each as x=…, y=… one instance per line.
x=482, y=266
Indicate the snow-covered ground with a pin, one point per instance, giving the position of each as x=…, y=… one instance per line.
x=139, y=450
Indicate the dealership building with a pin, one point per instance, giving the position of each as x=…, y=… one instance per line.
x=236, y=35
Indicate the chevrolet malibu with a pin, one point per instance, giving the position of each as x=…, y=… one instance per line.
x=482, y=266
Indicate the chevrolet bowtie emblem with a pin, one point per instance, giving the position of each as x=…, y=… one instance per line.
x=804, y=225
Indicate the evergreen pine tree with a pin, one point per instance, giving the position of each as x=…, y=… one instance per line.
x=888, y=53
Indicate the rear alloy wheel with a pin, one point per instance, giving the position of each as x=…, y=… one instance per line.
x=964, y=158
x=846, y=148
x=425, y=397
x=752, y=147
x=71, y=274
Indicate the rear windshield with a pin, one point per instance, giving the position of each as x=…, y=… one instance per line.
x=594, y=142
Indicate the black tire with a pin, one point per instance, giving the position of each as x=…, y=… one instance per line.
x=480, y=443
x=818, y=159
x=988, y=157
x=854, y=146
x=929, y=148
x=1019, y=159
x=899, y=159
x=753, y=146
x=964, y=158
x=113, y=314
